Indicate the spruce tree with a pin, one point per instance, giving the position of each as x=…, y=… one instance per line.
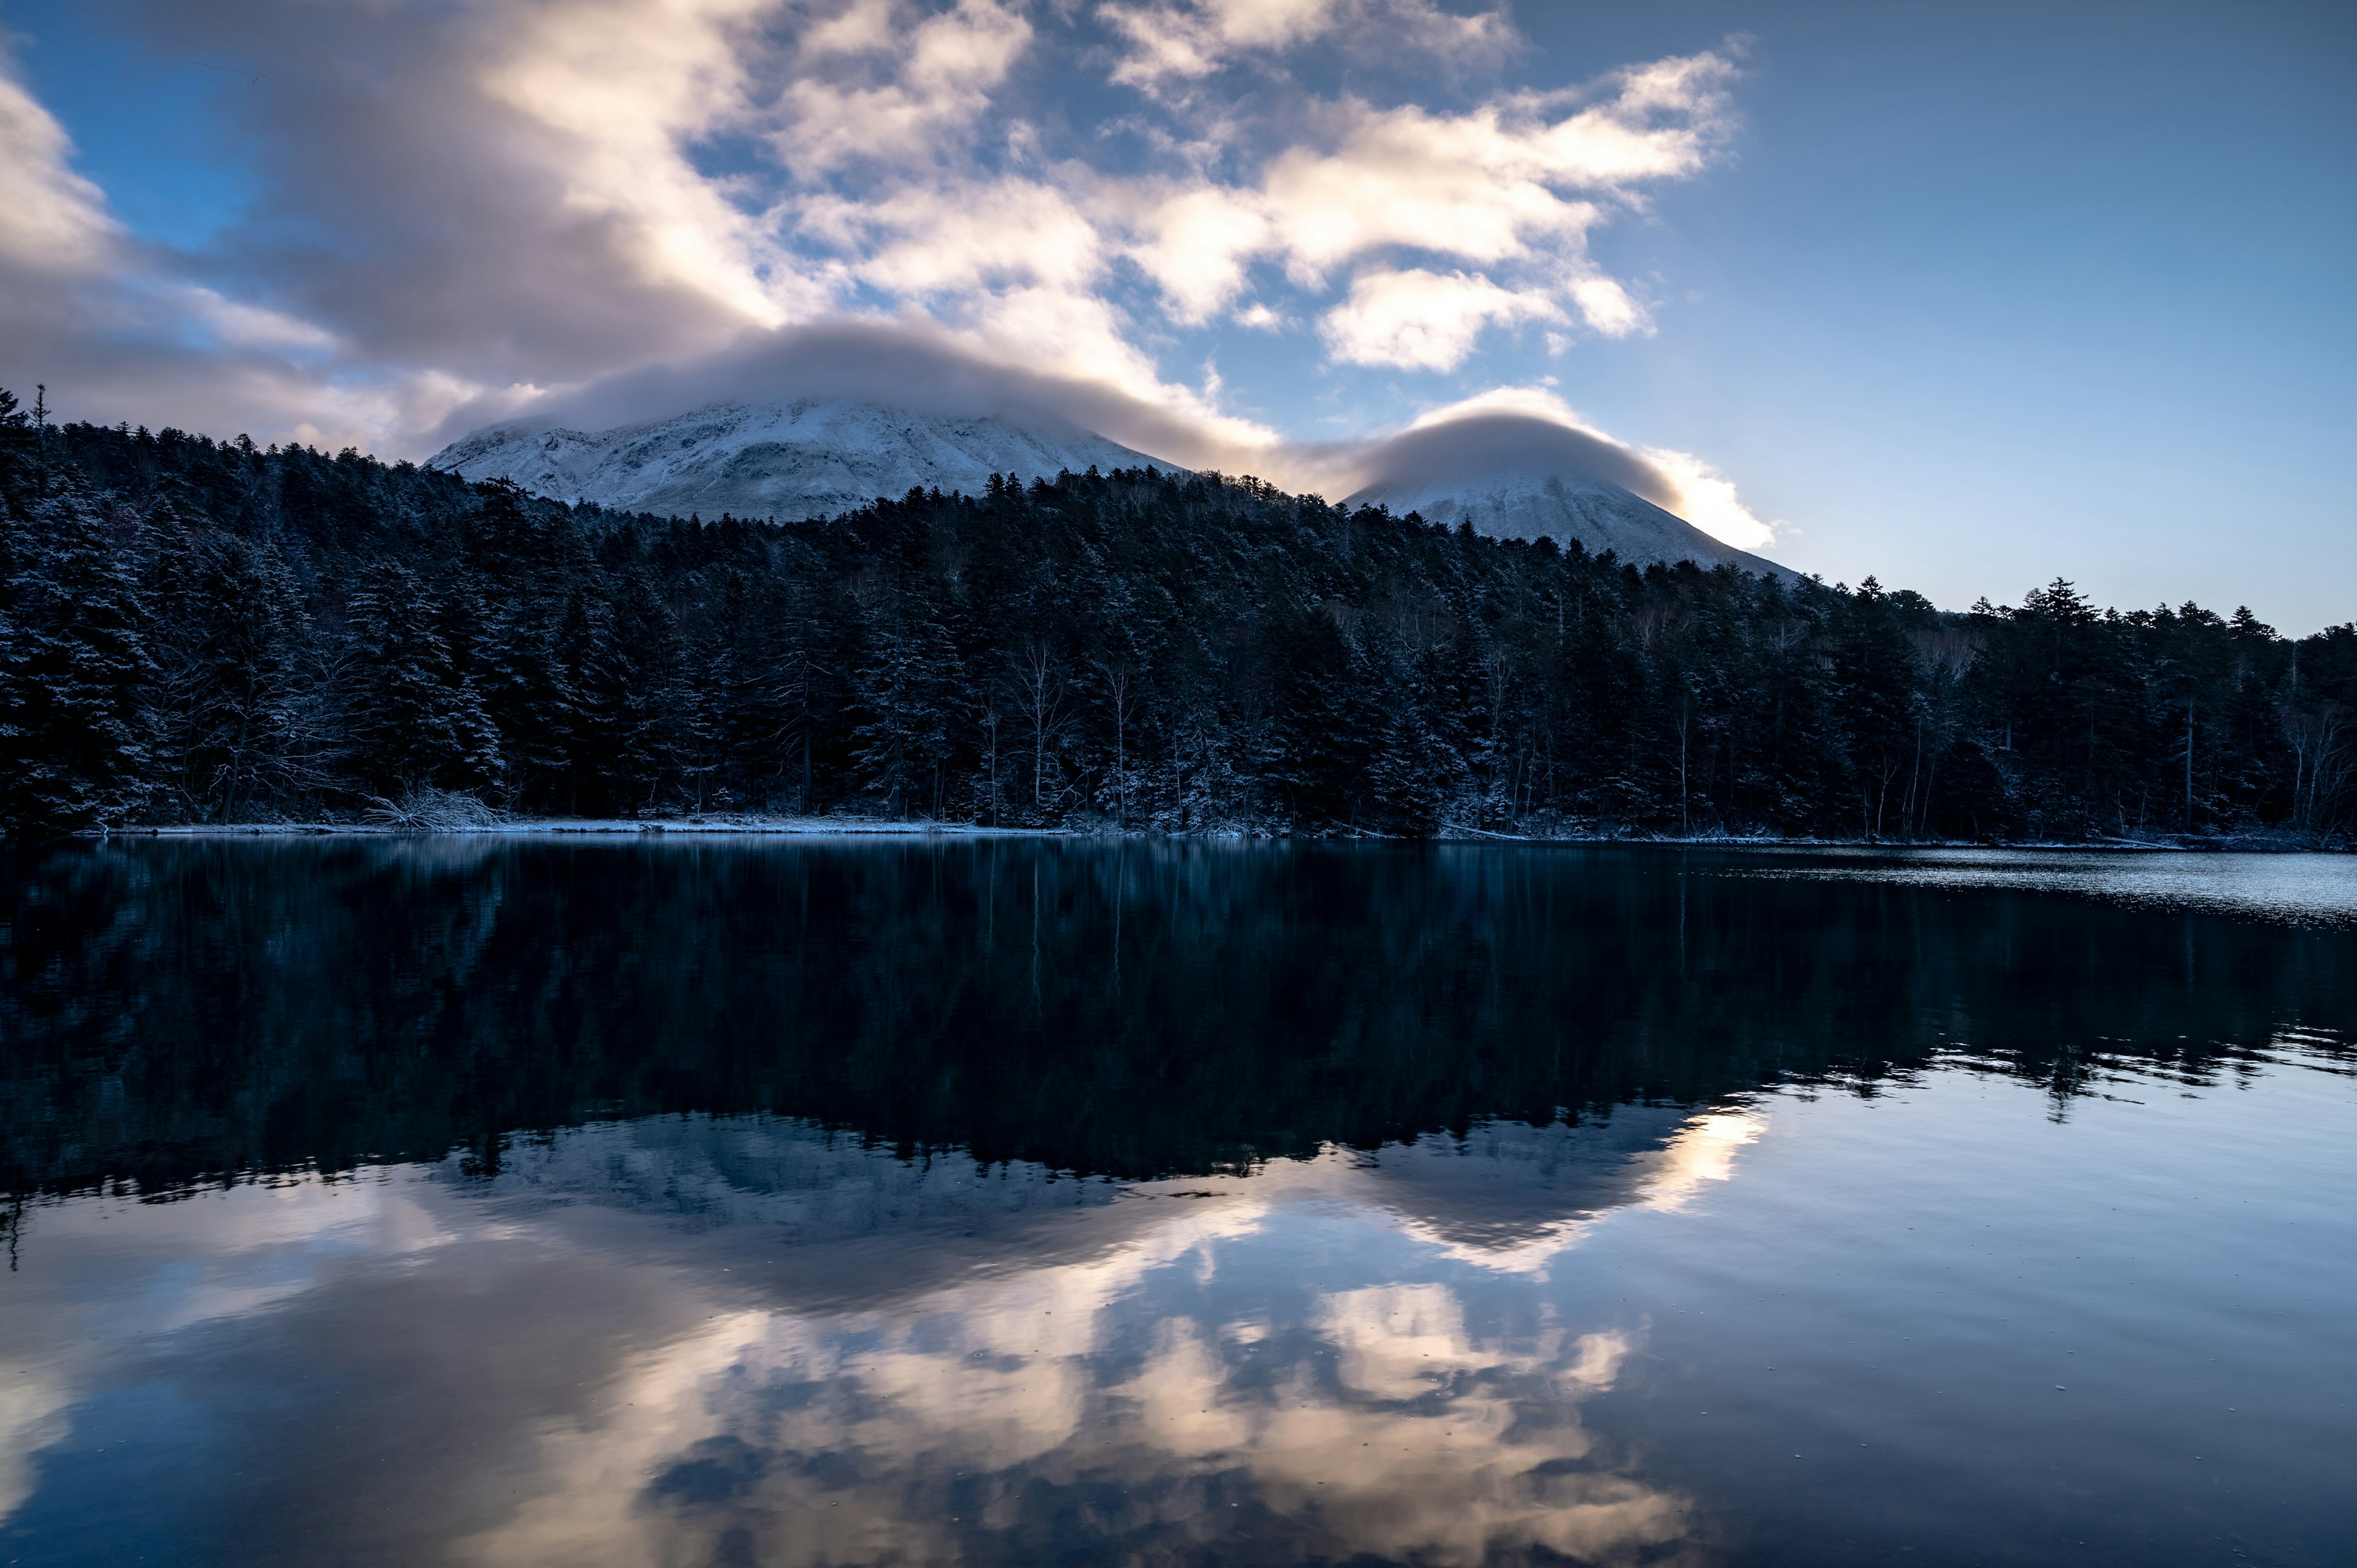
x=74, y=669
x=417, y=721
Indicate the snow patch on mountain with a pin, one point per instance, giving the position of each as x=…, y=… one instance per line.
x=803, y=458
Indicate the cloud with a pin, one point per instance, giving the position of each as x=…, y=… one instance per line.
x=1519, y=182
x=480, y=210
x=914, y=363
x=1183, y=42
x=1707, y=499
x=1531, y=431
x=1422, y=320
x=52, y=220
x=118, y=330
x=915, y=85
x=626, y=88
x=925, y=244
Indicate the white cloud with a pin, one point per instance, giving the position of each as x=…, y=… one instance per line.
x=1608, y=308
x=51, y=218
x=1182, y=41
x=242, y=326
x=864, y=27
x=1425, y=321
x=1195, y=244
x=1195, y=39
x=1518, y=182
x=1708, y=499
x=941, y=73
x=627, y=87
x=968, y=239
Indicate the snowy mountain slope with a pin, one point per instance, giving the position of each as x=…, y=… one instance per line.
x=1598, y=513
x=788, y=459
x=1526, y=479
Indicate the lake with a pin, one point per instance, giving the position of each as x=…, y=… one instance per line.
x=544, y=1200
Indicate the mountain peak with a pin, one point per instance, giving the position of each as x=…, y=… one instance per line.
x=790, y=459
x=1519, y=477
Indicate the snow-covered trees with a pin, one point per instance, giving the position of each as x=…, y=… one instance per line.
x=416, y=721
x=202, y=631
x=74, y=666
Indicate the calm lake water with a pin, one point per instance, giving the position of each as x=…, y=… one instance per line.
x=557, y=1202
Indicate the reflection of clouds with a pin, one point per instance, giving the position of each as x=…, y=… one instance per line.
x=955, y=1423
x=1475, y=1465
x=1391, y=1335
x=944, y=1431
x=758, y=1341
x=104, y=1272
x=34, y=1414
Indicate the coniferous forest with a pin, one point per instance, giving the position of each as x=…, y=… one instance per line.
x=197, y=631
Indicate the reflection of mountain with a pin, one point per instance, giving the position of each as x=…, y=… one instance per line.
x=806, y=1182
x=177, y=1008
x=1505, y=1195
x=1507, y=1189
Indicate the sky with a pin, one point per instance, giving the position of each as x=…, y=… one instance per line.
x=1966, y=299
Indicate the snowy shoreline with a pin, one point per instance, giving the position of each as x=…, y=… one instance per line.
x=841, y=827
x=619, y=827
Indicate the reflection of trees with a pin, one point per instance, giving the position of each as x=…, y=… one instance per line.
x=175, y=1009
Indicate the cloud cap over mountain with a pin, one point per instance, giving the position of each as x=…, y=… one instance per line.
x=1528, y=474
x=924, y=370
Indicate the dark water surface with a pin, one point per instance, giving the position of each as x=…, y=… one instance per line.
x=1013, y=1202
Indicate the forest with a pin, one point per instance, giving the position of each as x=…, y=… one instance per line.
x=200, y=631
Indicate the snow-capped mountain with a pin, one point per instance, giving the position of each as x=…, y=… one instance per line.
x=786, y=459
x=1512, y=477
x=1527, y=478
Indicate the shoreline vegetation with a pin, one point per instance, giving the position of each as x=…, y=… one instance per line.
x=202, y=633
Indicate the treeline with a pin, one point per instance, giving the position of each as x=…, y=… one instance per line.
x=195, y=631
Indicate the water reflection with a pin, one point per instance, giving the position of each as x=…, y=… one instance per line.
x=737, y=1339
x=183, y=1010
x=1134, y=1376
x=1009, y=1204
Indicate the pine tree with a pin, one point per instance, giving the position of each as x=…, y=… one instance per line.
x=74, y=669
x=417, y=721
x=905, y=744
x=1321, y=733
x=239, y=724
x=1874, y=680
